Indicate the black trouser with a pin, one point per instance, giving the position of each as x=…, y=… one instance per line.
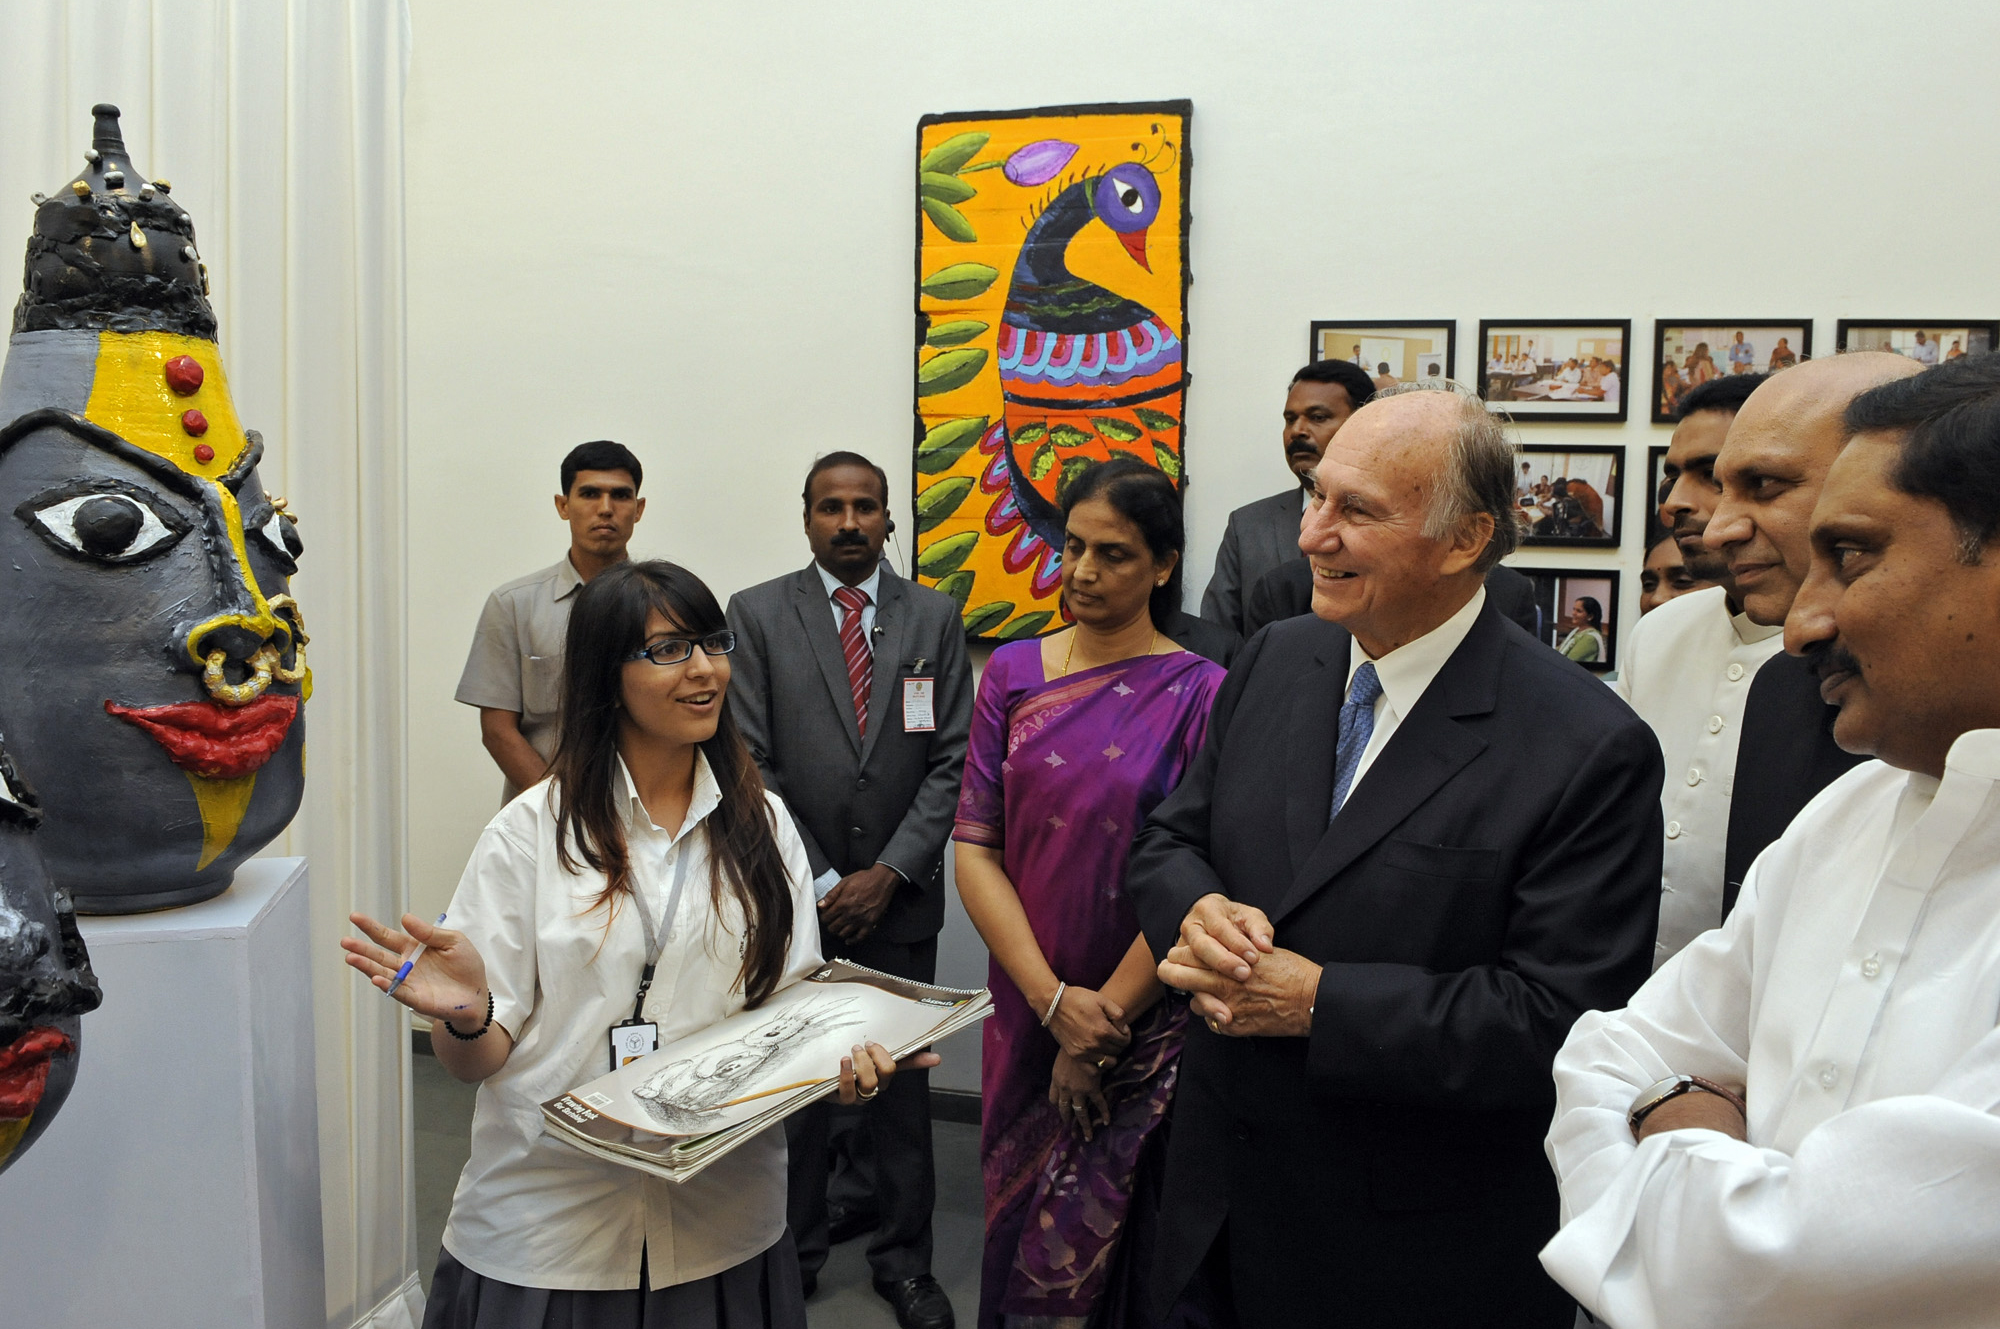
x=897, y=1152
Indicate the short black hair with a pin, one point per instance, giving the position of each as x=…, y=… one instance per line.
x=833, y=459
x=1144, y=496
x=1952, y=452
x=1727, y=393
x=1349, y=375
x=601, y=455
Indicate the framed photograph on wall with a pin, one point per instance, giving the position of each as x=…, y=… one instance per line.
x=1391, y=351
x=1656, y=494
x=1554, y=369
x=1569, y=496
x=1927, y=342
x=1691, y=351
x=1577, y=613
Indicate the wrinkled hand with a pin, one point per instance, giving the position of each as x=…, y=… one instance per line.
x=448, y=981
x=1695, y=1110
x=1089, y=1025
x=1076, y=1087
x=1275, y=1001
x=855, y=905
x=1224, y=936
x=866, y=1071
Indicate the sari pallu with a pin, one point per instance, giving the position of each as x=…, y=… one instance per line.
x=1059, y=775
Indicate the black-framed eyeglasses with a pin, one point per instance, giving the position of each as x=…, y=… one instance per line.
x=674, y=650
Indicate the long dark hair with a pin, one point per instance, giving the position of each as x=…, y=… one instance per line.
x=606, y=625
x=1142, y=495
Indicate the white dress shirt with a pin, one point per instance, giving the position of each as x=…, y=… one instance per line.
x=1406, y=674
x=529, y=1209
x=1687, y=672
x=870, y=588
x=1854, y=992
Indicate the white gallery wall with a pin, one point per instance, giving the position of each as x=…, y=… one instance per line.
x=690, y=227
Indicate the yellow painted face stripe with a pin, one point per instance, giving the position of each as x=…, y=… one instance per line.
x=11, y=1131
x=223, y=804
x=129, y=396
x=264, y=623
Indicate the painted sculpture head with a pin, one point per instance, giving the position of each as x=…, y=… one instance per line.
x=45, y=981
x=156, y=665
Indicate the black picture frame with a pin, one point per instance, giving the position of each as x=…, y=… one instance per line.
x=1844, y=330
x=1570, y=509
x=1526, y=411
x=1656, y=465
x=1783, y=327
x=1449, y=326
x=1557, y=588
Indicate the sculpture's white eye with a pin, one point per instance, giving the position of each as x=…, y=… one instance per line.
x=112, y=526
x=281, y=535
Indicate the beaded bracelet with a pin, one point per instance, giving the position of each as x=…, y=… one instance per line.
x=481, y=1031
x=1055, y=1001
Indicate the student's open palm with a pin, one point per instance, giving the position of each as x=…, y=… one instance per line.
x=448, y=981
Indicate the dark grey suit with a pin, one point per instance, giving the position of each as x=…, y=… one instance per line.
x=888, y=798
x=1259, y=537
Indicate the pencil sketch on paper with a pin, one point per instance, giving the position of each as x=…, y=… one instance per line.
x=682, y=1095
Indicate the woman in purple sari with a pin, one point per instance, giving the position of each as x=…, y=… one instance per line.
x=1075, y=739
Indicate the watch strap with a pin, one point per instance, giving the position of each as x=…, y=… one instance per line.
x=1663, y=1091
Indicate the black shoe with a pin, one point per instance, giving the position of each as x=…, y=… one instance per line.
x=920, y=1303
x=844, y=1224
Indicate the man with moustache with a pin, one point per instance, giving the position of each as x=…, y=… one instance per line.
x=1391, y=885
x=853, y=691
x=1265, y=534
x=1796, y=1122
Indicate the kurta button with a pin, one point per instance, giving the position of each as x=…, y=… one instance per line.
x=1870, y=967
x=1673, y=830
x=1735, y=672
x=861, y=783
x=857, y=831
x=1714, y=724
x=1694, y=775
x=1828, y=1078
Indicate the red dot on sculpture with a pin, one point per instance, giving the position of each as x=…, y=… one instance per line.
x=184, y=375
x=204, y=453
x=194, y=422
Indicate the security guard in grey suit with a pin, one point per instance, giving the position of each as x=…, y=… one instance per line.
x=852, y=688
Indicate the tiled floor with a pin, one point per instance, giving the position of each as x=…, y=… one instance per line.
x=845, y=1299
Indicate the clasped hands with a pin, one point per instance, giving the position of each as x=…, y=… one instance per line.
x=1240, y=982
x=1090, y=1030
x=856, y=904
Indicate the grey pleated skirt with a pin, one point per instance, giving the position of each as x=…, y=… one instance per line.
x=761, y=1293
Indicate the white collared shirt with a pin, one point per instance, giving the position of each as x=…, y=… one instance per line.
x=529, y=1209
x=1687, y=672
x=1406, y=674
x=870, y=588
x=1853, y=991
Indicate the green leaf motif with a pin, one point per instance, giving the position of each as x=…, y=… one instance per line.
x=954, y=152
x=944, y=444
x=940, y=501
x=1157, y=421
x=1028, y=434
x=960, y=281
x=989, y=615
x=1027, y=625
x=950, y=220
x=1044, y=461
x=950, y=369
x=959, y=587
x=1072, y=468
x=1168, y=462
x=955, y=333
x=1069, y=436
x=1118, y=431
x=944, y=558
x=944, y=188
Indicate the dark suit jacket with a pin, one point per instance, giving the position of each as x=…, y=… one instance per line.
x=890, y=798
x=1211, y=641
x=1287, y=591
x=1259, y=537
x=1495, y=874
x=1785, y=755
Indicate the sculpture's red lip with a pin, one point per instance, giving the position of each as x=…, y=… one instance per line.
x=24, y=1070
x=212, y=740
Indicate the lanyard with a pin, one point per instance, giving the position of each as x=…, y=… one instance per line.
x=656, y=940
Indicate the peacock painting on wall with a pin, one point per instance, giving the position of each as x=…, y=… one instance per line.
x=1051, y=333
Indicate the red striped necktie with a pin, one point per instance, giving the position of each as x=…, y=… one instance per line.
x=854, y=645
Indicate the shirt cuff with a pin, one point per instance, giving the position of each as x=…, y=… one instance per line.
x=824, y=883
x=901, y=875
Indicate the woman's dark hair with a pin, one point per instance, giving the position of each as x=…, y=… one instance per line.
x=1592, y=611
x=606, y=626
x=1142, y=495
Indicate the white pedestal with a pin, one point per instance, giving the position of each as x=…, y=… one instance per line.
x=180, y=1184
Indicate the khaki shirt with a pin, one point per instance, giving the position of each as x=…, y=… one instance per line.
x=516, y=659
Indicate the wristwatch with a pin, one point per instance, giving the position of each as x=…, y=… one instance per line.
x=1673, y=1087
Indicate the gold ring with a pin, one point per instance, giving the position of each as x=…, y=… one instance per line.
x=1102, y=1062
x=1213, y=1027
x=861, y=1097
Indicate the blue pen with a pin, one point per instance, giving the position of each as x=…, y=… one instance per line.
x=403, y=970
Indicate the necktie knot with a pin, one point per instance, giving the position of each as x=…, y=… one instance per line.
x=850, y=598
x=1366, y=687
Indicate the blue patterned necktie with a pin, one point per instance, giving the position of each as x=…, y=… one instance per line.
x=1357, y=725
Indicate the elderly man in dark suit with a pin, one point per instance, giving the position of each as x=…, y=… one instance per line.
x=853, y=691
x=1265, y=534
x=1417, y=845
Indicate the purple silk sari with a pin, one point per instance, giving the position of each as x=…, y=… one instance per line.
x=1059, y=775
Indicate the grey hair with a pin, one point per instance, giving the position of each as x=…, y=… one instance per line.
x=1478, y=475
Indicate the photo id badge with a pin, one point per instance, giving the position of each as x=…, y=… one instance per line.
x=919, y=709
x=631, y=1040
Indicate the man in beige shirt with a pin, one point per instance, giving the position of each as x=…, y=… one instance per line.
x=514, y=673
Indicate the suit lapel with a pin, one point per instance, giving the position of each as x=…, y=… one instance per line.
x=1427, y=749
x=815, y=613
x=1315, y=739
x=891, y=628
